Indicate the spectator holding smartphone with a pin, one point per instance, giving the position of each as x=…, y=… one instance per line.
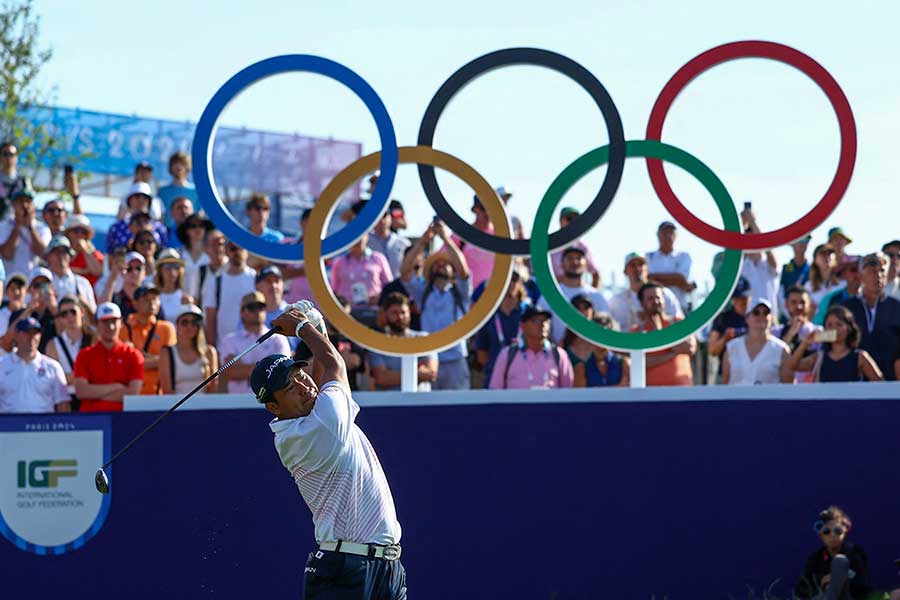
x=840, y=358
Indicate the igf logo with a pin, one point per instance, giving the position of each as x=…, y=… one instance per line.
x=45, y=473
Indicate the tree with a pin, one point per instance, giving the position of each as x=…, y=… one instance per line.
x=21, y=61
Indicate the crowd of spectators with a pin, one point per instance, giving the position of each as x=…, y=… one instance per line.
x=169, y=299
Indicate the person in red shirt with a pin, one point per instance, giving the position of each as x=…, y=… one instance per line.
x=110, y=369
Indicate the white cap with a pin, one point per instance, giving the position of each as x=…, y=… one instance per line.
x=108, y=310
x=78, y=221
x=40, y=272
x=188, y=309
x=501, y=191
x=135, y=256
x=140, y=187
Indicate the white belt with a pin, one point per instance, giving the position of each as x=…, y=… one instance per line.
x=391, y=552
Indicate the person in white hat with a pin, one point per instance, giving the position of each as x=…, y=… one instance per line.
x=191, y=360
x=59, y=256
x=88, y=261
x=139, y=197
x=98, y=387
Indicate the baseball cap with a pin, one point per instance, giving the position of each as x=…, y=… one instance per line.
x=666, y=225
x=503, y=192
x=875, y=259
x=17, y=278
x=253, y=298
x=269, y=270
x=634, y=256
x=26, y=190
x=135, y=256
x=108, y=310
x=570, y=249
x=79, y=221
x=40, y=272
x=143, y=165
x=761, y=302
x=532, y=311
x=188, y=309
x=271, y=374
x=741, y=289
x=140, y=188
x=59, y=241
x=394, y=206
x=144, y=215
x=804, y=240
x=28, y=324
x=839, y=231
x=578, y=299
x=569, y=211
x=850, y=260
x=143, y=290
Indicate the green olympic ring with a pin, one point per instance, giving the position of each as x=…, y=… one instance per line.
x=620, y=340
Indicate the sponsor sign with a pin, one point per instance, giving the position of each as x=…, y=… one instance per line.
x=48, y=502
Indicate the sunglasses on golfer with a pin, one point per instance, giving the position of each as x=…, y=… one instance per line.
x=836, y=531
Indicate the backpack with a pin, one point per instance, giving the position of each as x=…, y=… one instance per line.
x=511, y=354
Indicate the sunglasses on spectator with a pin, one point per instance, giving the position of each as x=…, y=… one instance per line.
x=79, y=230
x=9, y=153
x=195, y=226
x=255, y=306
x=54, y=210
x=258, y=207
x=760, y=312
x=137, y=268
x=838, y=531
x=145, y=242
x=233, y=248
x=189, y=322
x=67, y=313
x=892, y=254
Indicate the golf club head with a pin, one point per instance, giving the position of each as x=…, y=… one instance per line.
x=101, y=481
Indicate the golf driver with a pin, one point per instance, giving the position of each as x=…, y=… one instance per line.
x=102, y=481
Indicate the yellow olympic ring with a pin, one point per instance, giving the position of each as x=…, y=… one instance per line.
x=374, y=340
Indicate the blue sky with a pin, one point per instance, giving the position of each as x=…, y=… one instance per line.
x=765, y=129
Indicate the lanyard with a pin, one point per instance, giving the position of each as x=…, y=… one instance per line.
x=870, y=316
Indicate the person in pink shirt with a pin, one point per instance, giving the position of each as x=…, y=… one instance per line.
x=566, y=216
x=360, y=274
x=480, y=262
x=535, y=362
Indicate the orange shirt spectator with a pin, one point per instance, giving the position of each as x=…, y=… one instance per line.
x=148, y=334
x=671, y=366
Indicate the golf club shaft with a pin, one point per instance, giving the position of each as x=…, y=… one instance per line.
x=199, y=387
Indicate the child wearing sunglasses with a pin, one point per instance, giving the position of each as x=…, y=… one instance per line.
x=838, y=570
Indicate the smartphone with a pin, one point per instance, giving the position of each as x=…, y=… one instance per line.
x=748, y=206
x=436, y=219
x=68, y=170
x=826, y=336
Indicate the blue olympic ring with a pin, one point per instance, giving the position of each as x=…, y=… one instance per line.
x=201, y=153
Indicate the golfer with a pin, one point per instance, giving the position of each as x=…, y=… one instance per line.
x=335, y=467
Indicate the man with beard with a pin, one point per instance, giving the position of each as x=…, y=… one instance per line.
x=574, y=263
x=671, y=366
x=386, y=369
x=443, y=299
x=625, y=306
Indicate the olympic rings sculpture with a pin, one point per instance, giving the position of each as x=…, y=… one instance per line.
x=314, y=249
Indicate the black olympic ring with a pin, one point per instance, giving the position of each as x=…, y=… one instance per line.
x=561, y=64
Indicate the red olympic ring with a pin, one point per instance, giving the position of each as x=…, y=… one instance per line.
x=806, y=223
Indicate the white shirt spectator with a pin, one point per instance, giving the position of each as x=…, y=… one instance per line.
x=675, y=262
x=625, y=306
x=191, y=279
x=31, y=387
x=763, y=279
x=71, y=284
x=170, y=303
x=765, y=367
x=228, y=302
x=239, y=340
x=557, y=327
x=337, y=471
x=24, y=260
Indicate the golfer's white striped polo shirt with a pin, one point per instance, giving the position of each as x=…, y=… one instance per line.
x=337, y=471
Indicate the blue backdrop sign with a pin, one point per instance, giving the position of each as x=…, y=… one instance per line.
x=242, y=158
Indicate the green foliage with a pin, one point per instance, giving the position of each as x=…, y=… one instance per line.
x=21, y=61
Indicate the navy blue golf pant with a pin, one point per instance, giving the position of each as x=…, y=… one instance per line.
x=340, y=576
